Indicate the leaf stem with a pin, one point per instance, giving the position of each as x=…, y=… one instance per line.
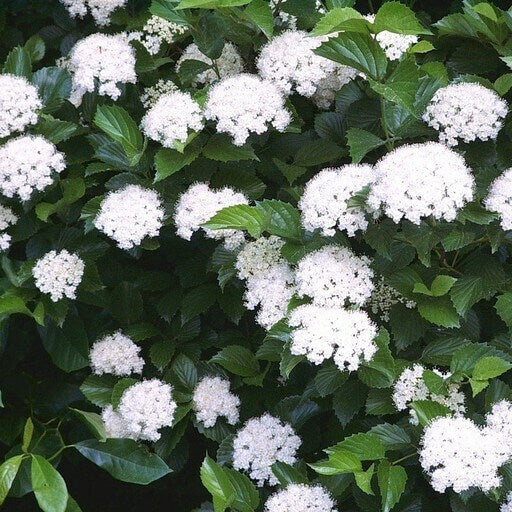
x=405, y=458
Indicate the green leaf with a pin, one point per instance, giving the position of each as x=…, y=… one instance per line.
x=98, y=389
x=392, y=480
x=8, y=471
x=243, y=217
x=260, y=13
x=93, y=422
x=503, y=84
x=362, y=142
x=318, y=151
x=393, y=436
x=379, y=372
x=439, y=311
x=287, y=474
x=427, y=410
x=398, y=18
x=169, y=161
x=338, y=19
x=56, y=130
x=238, y=360
x=18, y=62
x=364, y=479
x=435, y=383
x=281, y=219
x=120, y=387
x=198, y=300
x=210, y=4
x=218, y=484
x=490, y=367
x=35, y=47
x=124, y=459
x=246, y=497
x=220, y=147
x=338, y=463
x=503, y=307
x=184, y=372
x=288, y=361
x=48, y=486
x=28, y=431
x=126, y=304
x=466, y=292
x=441, y=285
x=54, y=86
x=363, y=446
x=348, y=401
x=329, y=379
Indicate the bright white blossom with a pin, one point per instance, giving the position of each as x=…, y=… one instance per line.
x=100, y=9
x=229, y=63
x=420, y=180
x=19, y=103
x=213, y=399
x=152, y=94
x=507, y=505
x=457, y=453
x=116, y=354
x=394, y=45
x=300, y=498
x=334, y=276
x=171, y=119
x=58, y=274
x=410, y=386
x=260, y=443
x=259, y=257
x=28, y=163
x=7, y=218
x=245, y=103
x=324, y=202
x=144, y=409
x=499, y=422
x=129, y=215
x=466, y=111
x=199, y=204
x=156, y=32
x=321, y=332
x=108, y=60
x=384, y=297
x=499, y=198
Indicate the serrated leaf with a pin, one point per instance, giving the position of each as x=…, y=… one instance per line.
x=427, y=410
x=361, y=142
x=170, y=161
x=398, y=18
x=238, y=360
x=392, y=480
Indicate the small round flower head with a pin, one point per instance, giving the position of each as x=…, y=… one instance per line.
x=324, y=202
x=229, y=63
x=75, y=7
x=328, y=86
x=116, y=354
x=499, y=198
x=19, y=103
x=156, y=32
x=100, y=9
x=152, y=94
x=465, y=111
x=129, y=215
x=244, y=103
x=300, y=498
x=115, y=426
x=321, y=332
x=271, y=291
x=212, y=399
x=499, y=422
x=420, y=180
x=410, y=386
x=334, y=276
x=394, y=45
x=507, y=505
x=384, y=297
x=145, y=408
x=171, y=118
x=106, y=60
x=259, y=257
x=28, y=163
x=457, y=453
x=199, y=204
x=262, y=442
x=58, y=274
x=7, y=218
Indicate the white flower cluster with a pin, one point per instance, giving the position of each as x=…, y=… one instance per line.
x=116, y=354
x=212, y=399
x=19, y=103
x=143, y=410
x=507, y=505
x=394, y=45
x=152, y=94
x=200, y=203
x=465, y=111
x=28, y=163
x=156, y=32
x=324, y=202
x=259, y=257
x=262, y=442
x=420, y=180
x=384, y=297
x=328, y=86
x=245, y=103
x=171, y=118
x=100, y=9
x=106, y=59
x=229, y=63
x=129, y=215
x=7, y=218
x=321, y=332
x=300, y=498
x=410, y=386
x=499, y=422
x=58, y=274
x=499, y=198
x=334, y=276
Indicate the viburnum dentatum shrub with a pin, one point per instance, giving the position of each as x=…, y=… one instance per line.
x=255, y=255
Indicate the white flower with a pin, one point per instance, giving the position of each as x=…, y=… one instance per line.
x=108, y=60
x=156, y=32
x=199, y=204
x=58, y=274
x=465, y=111
x=7, y=218
x=499, y=198
x=384, y=297
x=420, y=180
x=459, y=454
x=321, y=332
x=410, y=386
x=300, y=498
x=116, y=354
x=229, y=63
x=324, y=202
x=260, y=443
x=259, y=257
x=394, y=45
x=244, y=103
x=334, y=276
x=499, y=422
x=129, y=215
x=75, y=7
x=100, y=9
x=28, y=163
x=19, y=103
x=507, y=506
x=144, y=409
x=327, y=87
x=152, y=94
x=212, y=399
x=171, y=118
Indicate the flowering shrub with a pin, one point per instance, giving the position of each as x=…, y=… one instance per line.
x=255, y=255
